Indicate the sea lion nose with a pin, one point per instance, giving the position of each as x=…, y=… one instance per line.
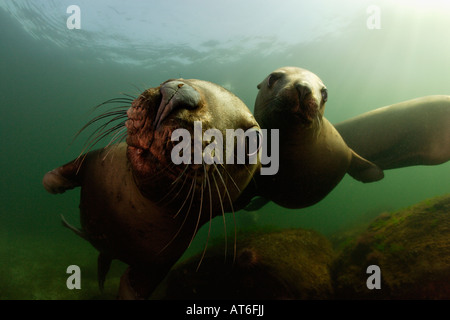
x=175, y=95
x=303, y=90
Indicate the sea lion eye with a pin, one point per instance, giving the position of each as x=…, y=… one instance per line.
x=272, y=79
x=324, y=92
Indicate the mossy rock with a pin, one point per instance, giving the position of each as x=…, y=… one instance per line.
x=412, y=249
x=288, y=264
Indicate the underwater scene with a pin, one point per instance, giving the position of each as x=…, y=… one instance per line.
x=121, y=181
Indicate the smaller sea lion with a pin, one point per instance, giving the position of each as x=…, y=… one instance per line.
x=276, y=265
x=313, y=156
x=409, y=133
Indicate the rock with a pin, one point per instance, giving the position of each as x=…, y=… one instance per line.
x=411, y=248
x=287, y=264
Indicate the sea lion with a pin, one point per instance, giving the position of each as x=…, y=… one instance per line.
x=413, y=132
x=313, y=158
x=136, y=205
x=289, y=264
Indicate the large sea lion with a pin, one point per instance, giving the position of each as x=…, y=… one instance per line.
x=139, y=207
x=413, y=132
x=313, y=158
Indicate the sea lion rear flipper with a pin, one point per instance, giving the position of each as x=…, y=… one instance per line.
x=77, y=231
x=63, y=178
x=103, y=265
x=363, y=170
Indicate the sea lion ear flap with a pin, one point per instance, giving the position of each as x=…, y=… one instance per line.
x=259, y=86
x=364, y=170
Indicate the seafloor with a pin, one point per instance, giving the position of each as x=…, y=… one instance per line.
x=411, y=247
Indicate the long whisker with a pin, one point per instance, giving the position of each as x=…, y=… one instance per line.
x=119, y=115
x=114, y=100
x=318, y=125
x=176, y=180
x=114, y=146
x=192, y=189
x=232, y=210
x=210, y=218
x=120, y=134
x=241, y=162
x=200, y=210
x=223, y=213
x=115, y=114
x=160, y=174
x=131, y=97
x=83, y=154
x=173, y=188
x=121, y=110
x=231, y=178
x=101, y=135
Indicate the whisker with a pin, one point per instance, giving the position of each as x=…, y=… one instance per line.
x=114, y=146
x=191, y=189
x=132, y=98
x=137, y=88
x=161, y=172
x=193, y=193
x=114, y=100
x=119, y=115
x=185, y=217
x=101, y=133
x=100, y=136
x=176, y=180
x=231, y=178
x=116, y=136
x=173, y=188
x=318, y=125
x=223, y=214
x=110, y=144
x=232, y=210
x=210, y=218
x=241, y=162
x=199, y=211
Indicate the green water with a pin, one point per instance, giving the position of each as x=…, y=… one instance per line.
x=51, y=77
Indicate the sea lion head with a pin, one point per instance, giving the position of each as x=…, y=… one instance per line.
x=195, y=106
x=291, y=90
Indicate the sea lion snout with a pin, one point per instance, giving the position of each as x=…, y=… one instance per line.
x=303, y=90
x=176, y=95
x=307, y=106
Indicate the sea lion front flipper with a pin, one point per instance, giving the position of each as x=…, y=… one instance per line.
x=256, y=203
x=363, y=170
x=63, y=178
x=103, y=265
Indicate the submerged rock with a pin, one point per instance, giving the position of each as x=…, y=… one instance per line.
x=288, y=264
x=412, y=249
